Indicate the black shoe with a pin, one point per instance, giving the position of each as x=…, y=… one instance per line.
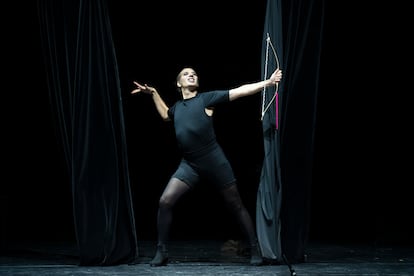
x=256, y=258
x=161, y=256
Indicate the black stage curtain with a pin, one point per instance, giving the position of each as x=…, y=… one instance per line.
x=85, y=94
x=283, y=202
x=269, y=196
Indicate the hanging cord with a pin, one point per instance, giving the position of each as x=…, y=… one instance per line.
x=275, y=96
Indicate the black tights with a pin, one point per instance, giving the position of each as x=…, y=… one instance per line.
x=176, y=189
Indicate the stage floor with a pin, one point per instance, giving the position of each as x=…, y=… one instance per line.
x=211, y=258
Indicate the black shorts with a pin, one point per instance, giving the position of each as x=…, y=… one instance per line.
x=209, y=164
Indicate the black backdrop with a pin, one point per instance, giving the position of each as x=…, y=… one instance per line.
x=357, y=193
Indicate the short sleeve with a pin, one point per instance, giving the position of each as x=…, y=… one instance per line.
x=171, y=112
x=212, y=98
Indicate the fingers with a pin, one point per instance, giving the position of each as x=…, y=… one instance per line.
x=138, y=88
x=277, y=75
x=142, y=88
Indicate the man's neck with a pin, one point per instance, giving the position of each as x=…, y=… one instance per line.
x=187, y=94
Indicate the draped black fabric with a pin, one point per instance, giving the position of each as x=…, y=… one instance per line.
x=283, y=205
x=269, y=196
x=85, y=95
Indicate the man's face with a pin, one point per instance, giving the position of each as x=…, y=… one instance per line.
x=187, y=79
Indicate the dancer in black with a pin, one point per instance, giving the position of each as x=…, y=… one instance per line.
x=202, y=155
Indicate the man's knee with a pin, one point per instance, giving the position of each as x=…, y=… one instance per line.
x=165, y=203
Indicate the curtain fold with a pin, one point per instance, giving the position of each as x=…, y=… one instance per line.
x=85, y=96
x=269, y=195
x=283, y=199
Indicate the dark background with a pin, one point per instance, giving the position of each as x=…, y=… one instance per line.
x=360, y=191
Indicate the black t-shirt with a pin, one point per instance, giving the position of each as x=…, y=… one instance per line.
x=193, y=127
